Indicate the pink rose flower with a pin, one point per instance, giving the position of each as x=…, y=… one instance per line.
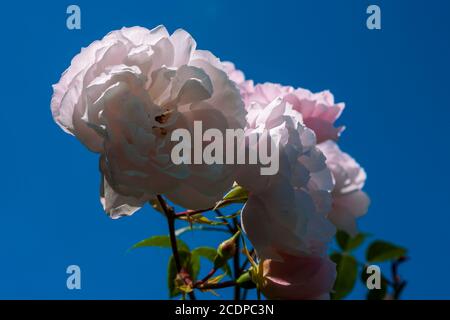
x=122, y=97
x=285, y=217
x=298, y=278
x=288, y=211
x=349, y=201
x=319, y=110
x=246, y=87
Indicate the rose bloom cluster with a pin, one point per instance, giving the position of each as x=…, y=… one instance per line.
x=290, y=218
x=124, y=95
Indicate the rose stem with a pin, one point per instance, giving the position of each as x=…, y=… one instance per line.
x=218, y=213
x=244, y=295
x=173, y=238
x=246, y=262
x=220, y=285
x=192, y=212
x=236, y=263
x=206, y=278
x=213, y=270
x=397, y=284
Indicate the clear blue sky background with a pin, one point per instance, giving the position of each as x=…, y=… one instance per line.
x=395, y=83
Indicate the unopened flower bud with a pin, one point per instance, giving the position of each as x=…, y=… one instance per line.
x=226, y=250
x=245, y=280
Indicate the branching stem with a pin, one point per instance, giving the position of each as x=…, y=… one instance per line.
x=170, y=215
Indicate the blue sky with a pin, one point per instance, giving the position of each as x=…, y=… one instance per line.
x=394, y=82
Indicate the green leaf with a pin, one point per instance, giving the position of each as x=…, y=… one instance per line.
x=380, y=251
x=342, y=238
x=347, y=271
x=245, y=281
x=205, y=252
x=185, y=259
x=236, y=195
x=199, y=218
x=356, y=241
x=160, y=241
x=195, y=266
x=232, y=216
x=374, y=294
x=210, y=254
x=182, y=230
x=378, y=294
x=347, y=243
x=237, y=192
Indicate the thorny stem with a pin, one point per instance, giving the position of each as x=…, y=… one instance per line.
x=237, y=270
x=218, y=213
x=246, y=262
x=220, y=285
x=188, y=213
x=397, y=283
x=170, y=215
x=192, y=212
x=206, y=278
x=236, y=263
x=244, y=295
